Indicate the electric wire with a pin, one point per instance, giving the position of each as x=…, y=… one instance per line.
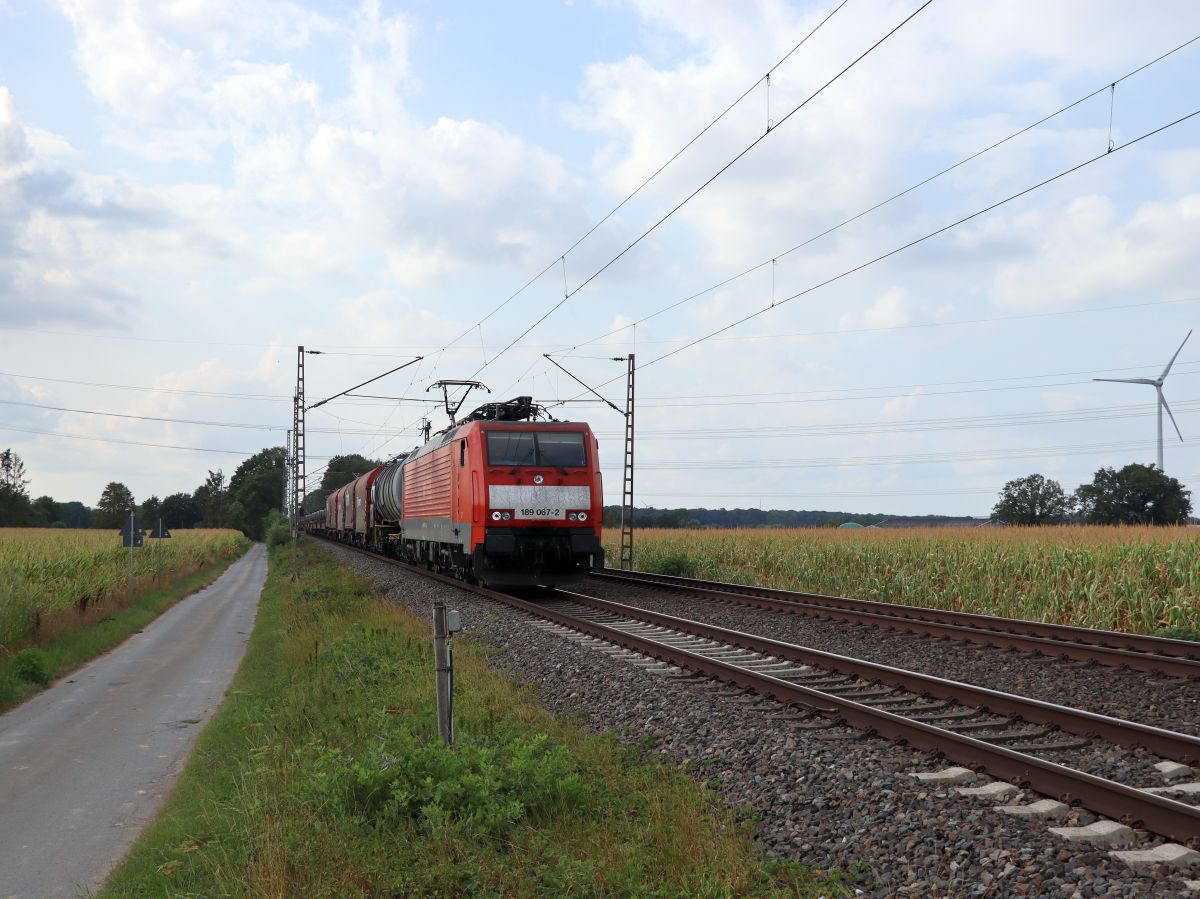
x=894, y=197
x=912, y=243
x=930, y=458
x=949, y=423
x=562, y=256
x=266, y=397
x=182, y=421
x=705, y=184
x=196, y=449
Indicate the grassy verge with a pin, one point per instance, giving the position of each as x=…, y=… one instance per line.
x=322, y=775
x=28, y=672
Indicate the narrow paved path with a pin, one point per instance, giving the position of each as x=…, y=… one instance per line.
x=85, y=765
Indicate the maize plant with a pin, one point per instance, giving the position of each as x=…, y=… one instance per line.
x=1138, y=579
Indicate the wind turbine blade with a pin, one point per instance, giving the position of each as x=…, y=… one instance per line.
x=1173, y=358
x=1162, y=399
x=1128, y=381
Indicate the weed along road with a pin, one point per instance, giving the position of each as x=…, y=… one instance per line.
x=85, y=765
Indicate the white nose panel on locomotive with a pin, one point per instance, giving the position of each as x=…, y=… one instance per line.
x=541, y=503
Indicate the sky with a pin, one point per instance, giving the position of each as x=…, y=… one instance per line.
x=191, y=189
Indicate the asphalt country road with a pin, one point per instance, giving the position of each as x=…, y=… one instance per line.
x=85, y=765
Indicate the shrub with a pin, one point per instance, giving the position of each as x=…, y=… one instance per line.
x=676, y=565
x=474, y=790
x=276, y=528
x=30, y=666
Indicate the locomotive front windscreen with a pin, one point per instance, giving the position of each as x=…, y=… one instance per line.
x=554, y=449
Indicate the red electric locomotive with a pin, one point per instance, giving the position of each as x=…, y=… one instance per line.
x=499, y=498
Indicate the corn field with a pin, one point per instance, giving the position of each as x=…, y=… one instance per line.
x=1139, y=579
x=45, y=572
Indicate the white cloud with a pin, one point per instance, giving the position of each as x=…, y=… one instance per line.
x=1084, y=253
x=14, y=146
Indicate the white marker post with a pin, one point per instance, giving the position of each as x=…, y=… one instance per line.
x=131, y=536
x=446, y=624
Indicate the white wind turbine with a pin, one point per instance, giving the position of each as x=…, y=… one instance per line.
x=1157, y=383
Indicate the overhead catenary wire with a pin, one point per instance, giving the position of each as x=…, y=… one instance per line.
x=392, y=371
x=657, y=224
x=267, y=397
x=896, y=196
x=195, y=449
x=895, y=426
x=913, y=243
x=561, y=258
x=183, y=421
x=777, y=399
x=931, y=458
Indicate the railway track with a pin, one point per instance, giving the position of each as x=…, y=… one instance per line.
x=1175, y=658
x=980, y=729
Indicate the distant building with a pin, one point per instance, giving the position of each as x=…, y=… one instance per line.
x=850, y=524
x=937, y=521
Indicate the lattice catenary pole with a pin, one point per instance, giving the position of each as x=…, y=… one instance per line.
x=627, y=483
x=298, y=444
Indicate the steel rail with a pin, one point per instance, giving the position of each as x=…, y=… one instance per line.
x=1167, y=817
x=1162, y=742
x=1115, y=639
x=1138, y=652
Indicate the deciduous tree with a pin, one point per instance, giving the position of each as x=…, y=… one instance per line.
x=212, y=498
x=1137, y=494
x=150, y=510
x=46, y=512
x=340, y=470
x=256, y=487
x=14, y=497
x=1033, y=500
x=113, y=508
x=179, y=510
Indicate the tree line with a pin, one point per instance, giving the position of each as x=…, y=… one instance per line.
x=255, y=488
x=1135, y=494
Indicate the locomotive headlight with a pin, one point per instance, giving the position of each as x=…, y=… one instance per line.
x=571, y=516
x=495, y=516
x=507, y=516
x=582, y=516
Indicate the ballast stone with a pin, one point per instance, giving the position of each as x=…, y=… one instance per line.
x=1043, y=808
x=1170, y=854
x=1100, y=833
x=954, y=775
x=1188, y=789
x=1173, y=770
x=997, y=789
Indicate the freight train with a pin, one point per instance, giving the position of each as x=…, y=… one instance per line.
x=499, y=498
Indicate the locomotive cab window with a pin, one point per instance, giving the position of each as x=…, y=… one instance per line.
x=562, y=449
x=462, y=453
x=558, y=449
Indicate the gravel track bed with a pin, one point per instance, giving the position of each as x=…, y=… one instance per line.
x=826, y=796
x=1122, y=764
x=1168, y=702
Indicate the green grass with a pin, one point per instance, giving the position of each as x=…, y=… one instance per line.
x=27, y=672
x=322, y=775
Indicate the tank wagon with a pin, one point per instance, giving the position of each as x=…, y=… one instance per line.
x=498, y=498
